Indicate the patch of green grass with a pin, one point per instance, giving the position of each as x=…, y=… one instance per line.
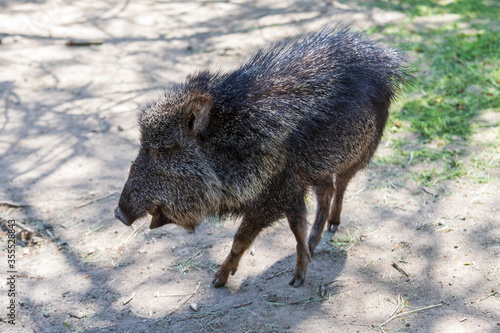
x=485, y=168
x=447, y=164
x=431, y=177
x=469, y=9
x=458, y=77
x=456, y=66
x=403, y=155
x=346, y=242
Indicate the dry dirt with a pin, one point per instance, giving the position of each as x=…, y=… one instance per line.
x=68, y=133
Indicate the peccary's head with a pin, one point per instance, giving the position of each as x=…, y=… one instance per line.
x=171, y=178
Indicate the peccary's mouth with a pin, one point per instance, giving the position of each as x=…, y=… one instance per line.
x=159, y=219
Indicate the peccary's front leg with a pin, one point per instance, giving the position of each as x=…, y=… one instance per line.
x=243, y=239
x=324, y=195
x=297, y=219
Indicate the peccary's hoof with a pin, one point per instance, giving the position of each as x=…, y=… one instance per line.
x=296, y=282
x=333, y=228
x=216, y=283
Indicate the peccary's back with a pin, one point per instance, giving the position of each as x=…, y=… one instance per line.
x=317, y=105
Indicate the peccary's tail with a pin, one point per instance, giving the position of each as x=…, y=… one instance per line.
x=396, y=70
x=386, y=65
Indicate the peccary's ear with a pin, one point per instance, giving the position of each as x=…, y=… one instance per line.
x=197, y=110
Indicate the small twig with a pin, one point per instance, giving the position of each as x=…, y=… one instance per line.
x=390, y=183
x=387, y=321
x=187, y=298
x=272, y=276
x=429, y=192
x=400, y=270
x=94, y=230
x=397, y=307
x=51, y=235
x=407, y=312
x=329, y=283
x=242, y=305
x=96, y=200
x=81, y=42
x=128, y=299
x=493, y=293
x=24, y=227
x=76, y=316
x=13, y=204
x=411, y=280
x=420, y=309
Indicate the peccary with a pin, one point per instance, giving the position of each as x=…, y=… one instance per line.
x=301, y=113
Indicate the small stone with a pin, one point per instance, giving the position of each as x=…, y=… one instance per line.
x=194, y=307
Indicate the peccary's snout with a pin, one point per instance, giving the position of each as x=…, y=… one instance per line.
x=120, y=216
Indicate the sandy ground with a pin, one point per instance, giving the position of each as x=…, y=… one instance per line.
x=68, y=133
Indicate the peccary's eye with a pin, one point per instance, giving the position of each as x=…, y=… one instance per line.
x=163, y=150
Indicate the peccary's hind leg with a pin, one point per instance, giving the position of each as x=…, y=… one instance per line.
x=324, y=195
x=341, y=182
x=243, y=239
x=296, y=216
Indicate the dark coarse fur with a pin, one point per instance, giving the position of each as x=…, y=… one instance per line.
x=300, y=113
